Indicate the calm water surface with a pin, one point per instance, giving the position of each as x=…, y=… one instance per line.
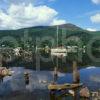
x=14, y=88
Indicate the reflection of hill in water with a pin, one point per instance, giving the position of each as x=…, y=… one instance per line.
x=89, y=76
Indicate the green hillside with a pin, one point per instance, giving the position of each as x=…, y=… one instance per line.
x=67, y=30
x=27, y=39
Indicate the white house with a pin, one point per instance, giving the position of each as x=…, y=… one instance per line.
x=59, y=51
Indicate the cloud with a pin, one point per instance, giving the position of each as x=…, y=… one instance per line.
x=91, y=29
x=96, y=1
x=34, y=2
x=20, y=16
x=19, y=1
x=51, y=0
x=58, y=22
x=95, y=18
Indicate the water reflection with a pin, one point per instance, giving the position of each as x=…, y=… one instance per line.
x=89, y=76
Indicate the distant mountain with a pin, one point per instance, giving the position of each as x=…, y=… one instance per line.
x=41, y=31
x=70, y=27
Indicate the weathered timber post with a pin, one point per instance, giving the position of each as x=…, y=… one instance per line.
x=55, y=74
x=76, y=79
x=76, y=74
x=0, y=60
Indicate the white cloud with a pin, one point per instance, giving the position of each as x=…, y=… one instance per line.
x=51, y=0
x=19, y=1
x=91, y=29
x=96, y=1
x=58, y=22
x=34, y=2
x=20, y=16
x=95, y=18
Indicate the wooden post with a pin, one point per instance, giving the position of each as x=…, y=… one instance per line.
x=76, y=79
x=0, y=60
x=76, y=75
x=37, y=59
x=55, y=74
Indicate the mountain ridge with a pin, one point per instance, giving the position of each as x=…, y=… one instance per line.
x=69, y=26
x=42, y=31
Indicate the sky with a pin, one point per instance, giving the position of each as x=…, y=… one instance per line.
x=16, y=14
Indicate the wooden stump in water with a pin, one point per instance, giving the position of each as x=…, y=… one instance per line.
x=26, y=75
x=76, y=74
x=1, y=79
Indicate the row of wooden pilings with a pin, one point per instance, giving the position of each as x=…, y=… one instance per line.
x=71, y=91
